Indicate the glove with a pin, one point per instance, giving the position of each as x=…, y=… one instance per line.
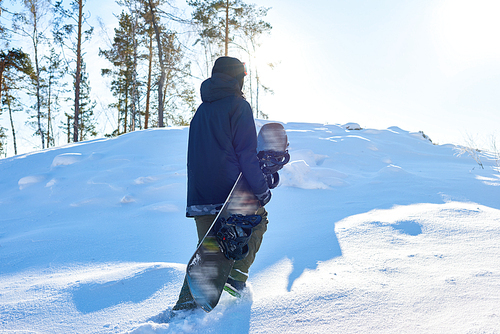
x=264, y=198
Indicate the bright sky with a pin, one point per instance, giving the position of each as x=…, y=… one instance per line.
x=420, y=65
x=426, y=65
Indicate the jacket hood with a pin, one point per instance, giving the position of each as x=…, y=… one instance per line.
x=219, y=86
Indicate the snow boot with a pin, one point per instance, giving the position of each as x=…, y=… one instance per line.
x=234, y=288
x=185, y=301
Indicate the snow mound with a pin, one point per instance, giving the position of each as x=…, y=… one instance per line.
x=27, y=181
x=66, y=159
x=352, y=126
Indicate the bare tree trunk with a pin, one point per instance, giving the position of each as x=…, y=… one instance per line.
x=249, y=82
x=125, y=118
x=134, y=74
x=12, y=126
x=78, y=70
x=226, y=42
x=162, y=67
x=148, y=93
x=68, y=127
x=257, y=93
x=49, y=112
x=2, y=68
x=37, y=68
x=165, y=93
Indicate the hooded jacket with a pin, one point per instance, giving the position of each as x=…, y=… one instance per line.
x=222, y=143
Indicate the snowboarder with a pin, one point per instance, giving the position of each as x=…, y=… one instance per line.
x=223, y=143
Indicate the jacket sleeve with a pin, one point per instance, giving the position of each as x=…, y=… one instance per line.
x=245, y=145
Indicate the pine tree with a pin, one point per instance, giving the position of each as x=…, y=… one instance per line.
x=133, y=48
x=16, y=59
x=12, y=63
x=225, y=22
x=53, y=87
x=30, y=24
x=121, y=56
x=86, y=122
x=135, y=9
x=69, y=33
x=154, y=19
x=4, y=36
x=11, y=102
x=232, y=26
x=147, y=33
x=180, y=93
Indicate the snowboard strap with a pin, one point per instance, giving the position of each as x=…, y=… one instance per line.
x=234, y=234
x=270, y=163
x=273, y=180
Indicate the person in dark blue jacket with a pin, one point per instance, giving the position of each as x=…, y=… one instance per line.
x=223, y=143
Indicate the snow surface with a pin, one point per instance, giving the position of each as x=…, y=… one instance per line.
x=371, y=231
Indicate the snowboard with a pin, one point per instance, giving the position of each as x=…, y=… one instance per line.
x=209, y=267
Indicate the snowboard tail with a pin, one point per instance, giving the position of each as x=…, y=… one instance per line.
x=209, y=267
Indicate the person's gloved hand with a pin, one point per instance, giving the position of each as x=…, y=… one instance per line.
x=264, y=198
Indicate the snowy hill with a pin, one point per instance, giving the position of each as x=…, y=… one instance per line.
x=370, y=231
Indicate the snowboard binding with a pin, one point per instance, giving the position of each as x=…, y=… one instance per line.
x=234, y=234
x=270, y=163
x=272, y=144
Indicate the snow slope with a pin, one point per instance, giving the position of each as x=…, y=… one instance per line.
x=370, y=231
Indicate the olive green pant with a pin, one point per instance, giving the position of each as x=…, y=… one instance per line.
x=240, y=268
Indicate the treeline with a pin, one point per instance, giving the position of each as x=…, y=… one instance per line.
x=153, y=57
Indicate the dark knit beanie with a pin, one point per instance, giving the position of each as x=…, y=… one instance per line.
x=230, y=66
